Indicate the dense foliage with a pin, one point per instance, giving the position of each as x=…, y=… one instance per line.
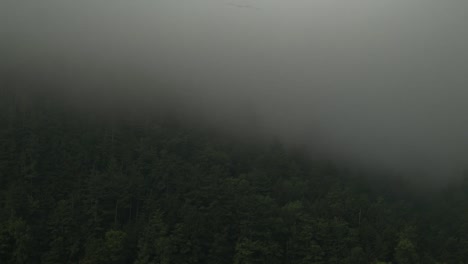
x=80, y=189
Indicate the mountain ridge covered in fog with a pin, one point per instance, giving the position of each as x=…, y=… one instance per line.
x=377, y=83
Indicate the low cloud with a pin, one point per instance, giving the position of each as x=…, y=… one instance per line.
x=379, y=83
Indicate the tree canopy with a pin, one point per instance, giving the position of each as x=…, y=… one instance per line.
x=81, y=189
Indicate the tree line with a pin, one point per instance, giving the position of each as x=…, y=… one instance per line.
x=80, y=189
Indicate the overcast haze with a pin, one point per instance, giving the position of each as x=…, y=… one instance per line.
x=378, y=82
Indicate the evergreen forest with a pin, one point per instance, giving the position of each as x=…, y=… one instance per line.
x=81, y=188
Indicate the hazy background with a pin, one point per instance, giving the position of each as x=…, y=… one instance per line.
x=381, y=83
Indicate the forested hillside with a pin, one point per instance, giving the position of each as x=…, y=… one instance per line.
x=81, y=189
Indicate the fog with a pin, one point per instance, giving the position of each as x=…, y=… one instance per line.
x=380, y=83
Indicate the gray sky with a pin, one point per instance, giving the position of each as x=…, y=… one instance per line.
x=379, y=82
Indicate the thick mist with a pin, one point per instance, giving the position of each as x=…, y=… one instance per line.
x=382, y=84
